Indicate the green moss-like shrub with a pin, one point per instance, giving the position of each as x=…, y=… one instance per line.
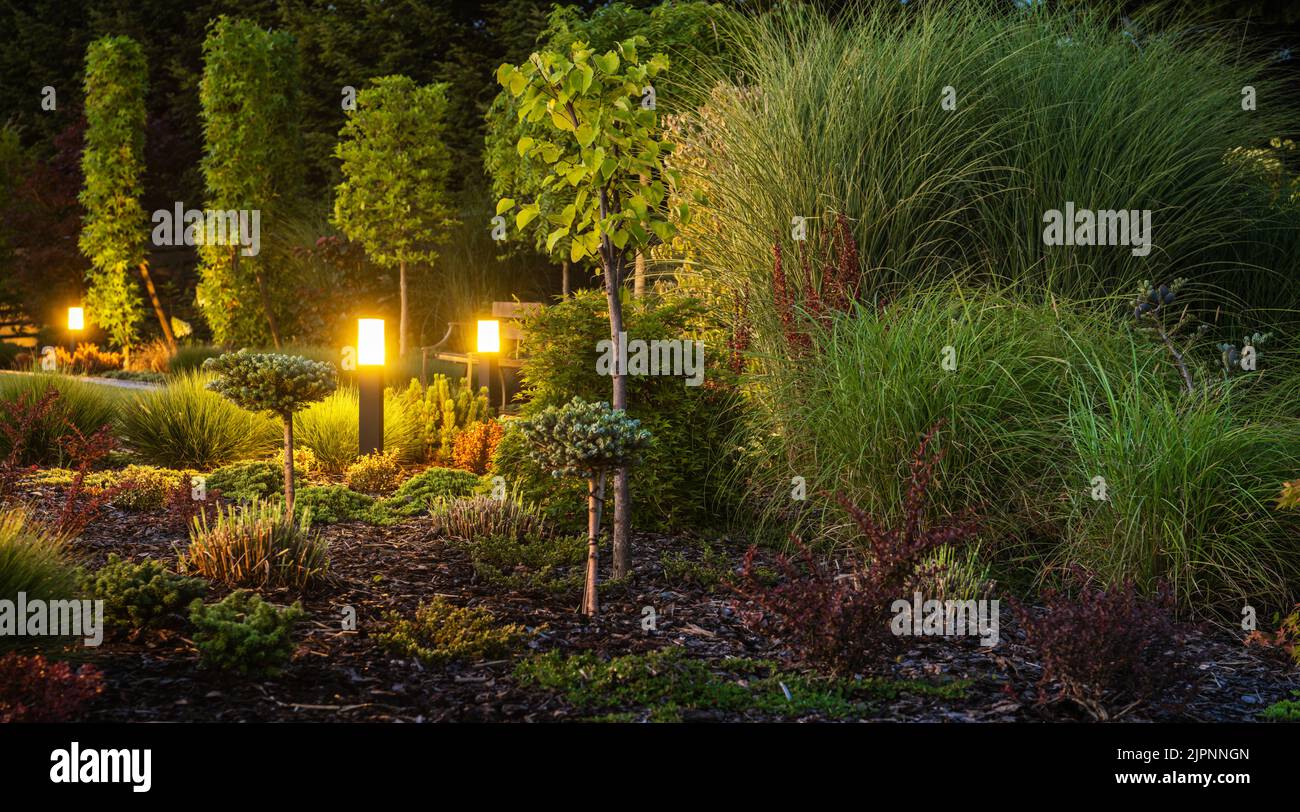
x=244, y=634
x=251, y=479
x=143, y=594
x=442, y=633
x=416, y=494
x=551, y=564
x=329, y=504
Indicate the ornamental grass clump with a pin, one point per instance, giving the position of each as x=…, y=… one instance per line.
x=280, y=384
x=587, y=440
x=256, y=545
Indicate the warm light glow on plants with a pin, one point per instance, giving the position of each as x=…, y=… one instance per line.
x=370, y=342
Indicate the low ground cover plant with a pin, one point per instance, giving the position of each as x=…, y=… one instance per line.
x=1107, y=649
x=667, y=684
x=329, y=504
x=541, y=563
x=244, y=634
x=441, y=633
x=35, y=689
x=138, y=595
x=419, y=492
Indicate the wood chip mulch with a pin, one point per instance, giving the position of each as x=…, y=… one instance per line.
x=341, y=675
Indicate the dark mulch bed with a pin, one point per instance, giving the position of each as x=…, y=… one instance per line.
x=343, y=676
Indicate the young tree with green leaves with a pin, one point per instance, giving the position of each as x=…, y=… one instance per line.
x=253, y=143
x=115, y=225
x=280, y=384
x=394, y=198
x=605, y=144
x=694, y=32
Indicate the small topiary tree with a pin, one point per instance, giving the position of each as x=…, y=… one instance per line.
x=586, y=439
x=281, y=384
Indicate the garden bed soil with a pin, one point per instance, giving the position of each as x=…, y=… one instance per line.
x=339, y=675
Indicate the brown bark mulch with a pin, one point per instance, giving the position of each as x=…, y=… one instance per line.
x=339, y=675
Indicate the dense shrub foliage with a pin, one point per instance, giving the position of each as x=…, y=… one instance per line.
x=244, y=634
x=34, y=689
x=418, y=493
x=376, y=474
x=137, y=595
x=1106, y=649
x=441, y=632
x=679, y=481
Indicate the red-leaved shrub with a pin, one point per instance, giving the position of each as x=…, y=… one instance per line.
x=1106, y=649
x=34, y=689
x=838, y=619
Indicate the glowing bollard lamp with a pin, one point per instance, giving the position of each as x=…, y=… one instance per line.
x=489, y=344
x=370, y=385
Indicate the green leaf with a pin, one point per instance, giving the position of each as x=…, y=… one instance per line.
x=607, y=62
x=525, y=216
x=525, y=144
x=586, y=134
x=505, y=204
x=561, y=120
x=517, y=83
x=554, y=237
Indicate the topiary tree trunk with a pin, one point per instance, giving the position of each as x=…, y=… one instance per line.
x=288, y=461
x=589, y=439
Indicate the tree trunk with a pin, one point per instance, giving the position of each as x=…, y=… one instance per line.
x=288, y=468
x=614, y=272
x=564, y=280
x=638, y=275
x=163, y=321
x=267, y=309
x=595, y=498
x=401, y=328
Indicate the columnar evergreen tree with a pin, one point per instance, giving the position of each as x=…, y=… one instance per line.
x=253, y=146
x=603, y=144
x=115, y=226
x=394, y=199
